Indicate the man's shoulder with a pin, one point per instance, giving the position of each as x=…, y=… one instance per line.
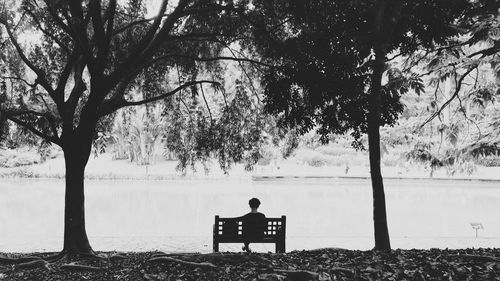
x=254, y=215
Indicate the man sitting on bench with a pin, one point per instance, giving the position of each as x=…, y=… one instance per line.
x=253, y=224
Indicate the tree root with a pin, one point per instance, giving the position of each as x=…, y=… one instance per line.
x=162, y=254
x=348, y=271
x=55, y=258
x=6, y=260
x=299, y=275
x=91, y=256
x=80, y=267
x=31, y=264
x=235, y=258
x=116, y=257
x=205, y=265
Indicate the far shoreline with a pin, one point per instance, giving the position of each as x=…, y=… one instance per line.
x=105, y=168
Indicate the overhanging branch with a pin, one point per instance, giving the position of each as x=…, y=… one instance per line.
x=112, y=105
x=31, y=128
x=454, y=96
x=41, y=77
x=220, y=58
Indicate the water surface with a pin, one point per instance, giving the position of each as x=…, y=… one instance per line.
x=178, y=215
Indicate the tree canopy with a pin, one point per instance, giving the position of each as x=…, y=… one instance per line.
x=67, y=65
x=333, y=72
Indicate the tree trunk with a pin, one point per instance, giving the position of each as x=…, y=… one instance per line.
x=382, y=241
x=75, y=235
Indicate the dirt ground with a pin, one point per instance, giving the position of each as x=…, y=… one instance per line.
x=321, y=264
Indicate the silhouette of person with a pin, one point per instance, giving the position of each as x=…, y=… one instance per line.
x=253, y=224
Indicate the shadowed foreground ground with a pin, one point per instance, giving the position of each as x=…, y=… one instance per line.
x=323, y=264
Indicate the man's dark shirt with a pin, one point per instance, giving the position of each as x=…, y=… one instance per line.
x=254, y=225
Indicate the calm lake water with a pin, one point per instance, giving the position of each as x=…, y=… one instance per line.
x=178, y=215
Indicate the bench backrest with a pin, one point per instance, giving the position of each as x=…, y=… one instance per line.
x=232, y=227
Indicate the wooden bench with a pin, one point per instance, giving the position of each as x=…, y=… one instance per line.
x=229, y=230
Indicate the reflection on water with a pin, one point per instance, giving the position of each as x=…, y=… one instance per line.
x=178, y=215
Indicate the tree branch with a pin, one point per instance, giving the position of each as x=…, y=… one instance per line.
x=78, y=24
x=41, y=77
x=159, y=97
x=153, y=29
x=206, y=103
x=132, y=24
x=113, y=105
x=488, y=51
x=20, y=79
x=76, y=92
x=155, y=60
x=57, y=19
x=146, y=48
x=31, y=128
x=46, y=32
x=455, y=94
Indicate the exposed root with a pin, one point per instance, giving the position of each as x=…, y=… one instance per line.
x=162, y=254
x=6, y=260
x=92, y=256
x=31, y=264
x=80, y=267
x=235, y=258
x=301, y=275
x=206, y=265
x=117, y=257
x=348, y=271
x=55, y=258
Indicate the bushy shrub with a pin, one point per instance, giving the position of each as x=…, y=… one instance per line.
x=16, y=158
x=316, y=161
x=335, y=150
x=488, y=161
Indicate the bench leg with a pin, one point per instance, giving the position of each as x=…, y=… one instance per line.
x=280, y=247
x=216, y=247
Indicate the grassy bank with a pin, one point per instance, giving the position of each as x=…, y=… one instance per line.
x=323, y=264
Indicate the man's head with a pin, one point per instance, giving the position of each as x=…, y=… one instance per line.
x=254, y=203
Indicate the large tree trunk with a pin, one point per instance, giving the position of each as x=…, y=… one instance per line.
x=382, y=241
x=75, y=235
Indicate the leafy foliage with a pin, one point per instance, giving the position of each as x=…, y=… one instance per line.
x=324, y=55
